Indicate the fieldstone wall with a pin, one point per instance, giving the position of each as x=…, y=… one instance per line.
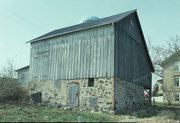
x=50, y=94
x=102, y=91
x=127, y=95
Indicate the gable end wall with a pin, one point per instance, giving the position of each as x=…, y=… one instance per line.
x=131, y=60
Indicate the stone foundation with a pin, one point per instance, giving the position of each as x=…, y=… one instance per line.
x=102, y=93
x=127, y=95
x=106, y=95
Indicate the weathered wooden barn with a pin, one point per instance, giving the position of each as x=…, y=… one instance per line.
x=100, y=65
x=23, y=76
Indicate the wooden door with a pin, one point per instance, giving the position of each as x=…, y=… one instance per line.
x=73, y=94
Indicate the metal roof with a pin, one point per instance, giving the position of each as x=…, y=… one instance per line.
x=99, y=22
x=26, y=67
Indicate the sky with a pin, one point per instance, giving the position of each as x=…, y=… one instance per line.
x=23, y=20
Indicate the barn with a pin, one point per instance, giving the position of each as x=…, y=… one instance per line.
x=99, y=64
x=23, y=76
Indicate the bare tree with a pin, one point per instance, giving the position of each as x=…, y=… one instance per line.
x=168, y=93
x=160, y=53
x=174, y=44
x=8, y=70
x=10, y=89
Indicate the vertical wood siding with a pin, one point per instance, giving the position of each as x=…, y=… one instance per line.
x=25, y=80
x=131, y=62
x=84, y=54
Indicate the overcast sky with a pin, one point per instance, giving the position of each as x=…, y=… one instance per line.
x=23, y=20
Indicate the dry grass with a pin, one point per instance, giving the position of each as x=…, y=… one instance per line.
x=17, y=113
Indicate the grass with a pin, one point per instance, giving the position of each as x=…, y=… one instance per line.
x=17, y=113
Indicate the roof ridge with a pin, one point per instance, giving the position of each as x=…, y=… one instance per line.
x=99, y=19
x=81, y=26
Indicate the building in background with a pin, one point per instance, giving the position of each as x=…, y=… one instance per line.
x=23, y=76
x=171, y=80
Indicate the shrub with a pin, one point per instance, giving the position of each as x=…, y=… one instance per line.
x=11, y=91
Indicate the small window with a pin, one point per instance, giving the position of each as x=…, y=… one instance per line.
x=22, y=76
x=177, y=97
x=176, y=66
x=57, y=83
x=177, y=81
x=90, y=82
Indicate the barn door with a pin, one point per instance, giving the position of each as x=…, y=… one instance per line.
x=73, y=94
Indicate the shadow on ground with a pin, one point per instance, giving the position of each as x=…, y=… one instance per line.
x=154, y=111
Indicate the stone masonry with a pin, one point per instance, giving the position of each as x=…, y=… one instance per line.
x=102, y=90
x=109, y=94
x=128, y=95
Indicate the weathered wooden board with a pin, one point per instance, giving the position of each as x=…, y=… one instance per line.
x=84, y=54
